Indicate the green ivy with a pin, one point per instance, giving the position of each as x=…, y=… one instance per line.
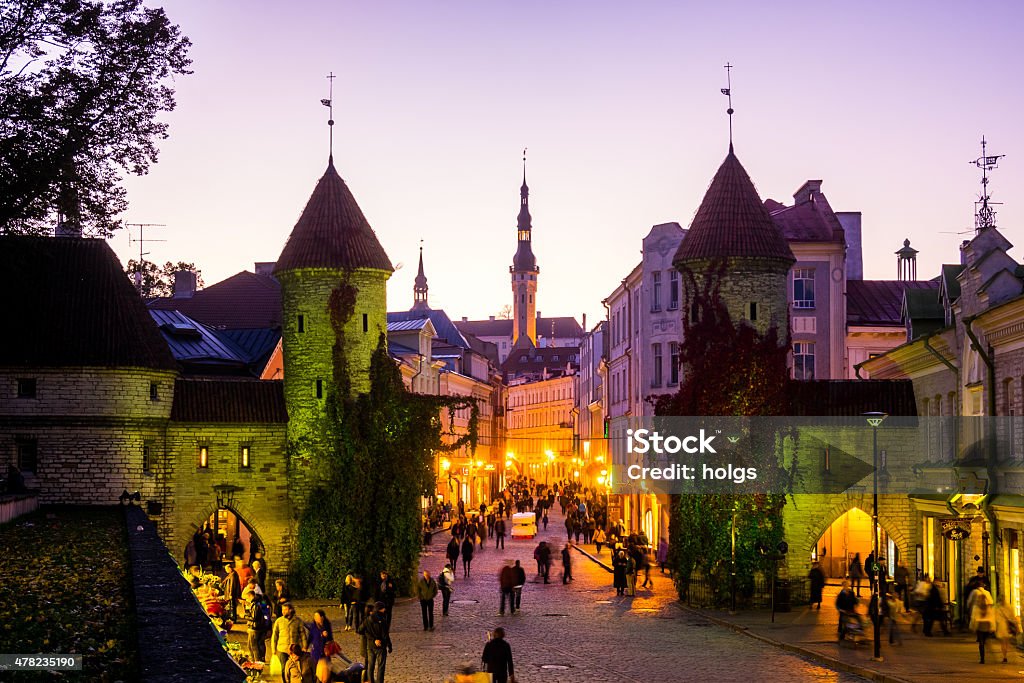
x=701, y=525
x=364, y=515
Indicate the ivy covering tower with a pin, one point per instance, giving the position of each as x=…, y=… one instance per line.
x=331, y=252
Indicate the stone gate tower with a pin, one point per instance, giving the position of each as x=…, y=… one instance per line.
x=332, y=243
x=733, y=235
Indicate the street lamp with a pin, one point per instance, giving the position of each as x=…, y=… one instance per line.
x=875, y=419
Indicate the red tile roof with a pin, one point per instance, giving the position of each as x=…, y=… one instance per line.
x=811, y=221
x=67, y=302
x=332, y=232
x=564, y=327
x=879, y=302
x=225, y=400
x=243, y=301
x=732, y=221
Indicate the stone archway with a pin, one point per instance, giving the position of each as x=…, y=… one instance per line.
x=243, y=518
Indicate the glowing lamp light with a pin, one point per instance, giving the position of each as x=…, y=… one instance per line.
x=479, y=463
x=551, y=456
x=599, y=458
x=446, y=464
x=576, y=473
x=600, y=480
x=508, y=463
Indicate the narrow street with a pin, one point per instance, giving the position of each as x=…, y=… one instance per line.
x=575, y=633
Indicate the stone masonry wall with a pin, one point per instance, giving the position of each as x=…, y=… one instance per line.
x=747, y=281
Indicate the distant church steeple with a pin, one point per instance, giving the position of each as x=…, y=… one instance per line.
x=524, y=272
x=419, y=287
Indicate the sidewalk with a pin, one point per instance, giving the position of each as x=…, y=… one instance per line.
x=812, y=633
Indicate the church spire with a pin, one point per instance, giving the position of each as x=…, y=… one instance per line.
x=419, y=287
x=524, y=273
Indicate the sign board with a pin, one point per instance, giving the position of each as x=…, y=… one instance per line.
x=956, y=529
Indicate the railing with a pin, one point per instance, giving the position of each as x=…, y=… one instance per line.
x=15, y=505
x=702, y=592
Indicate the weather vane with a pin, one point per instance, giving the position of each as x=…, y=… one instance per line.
x=329, y=103
x=984, y=216
x=727, y=91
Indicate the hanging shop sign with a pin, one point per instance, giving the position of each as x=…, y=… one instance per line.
x=956, y=529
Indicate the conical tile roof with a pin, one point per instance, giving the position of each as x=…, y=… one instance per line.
x=332, y=232
x=732, y=221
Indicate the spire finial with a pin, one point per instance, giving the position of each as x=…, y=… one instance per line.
x=727, y=91
x=524, y=166
x=329, y=103
x=984, y=216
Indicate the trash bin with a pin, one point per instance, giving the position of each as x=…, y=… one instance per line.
x=782, y=599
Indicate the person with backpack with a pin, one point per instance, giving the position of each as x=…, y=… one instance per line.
x=258, y=614
x=446, y=584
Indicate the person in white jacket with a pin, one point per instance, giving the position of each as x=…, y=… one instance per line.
x=1007, y=625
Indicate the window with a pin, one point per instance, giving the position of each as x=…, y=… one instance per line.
x=803, y=360
x=147, y=458
x=244, y=452
x=752, y=312
x=656, y=353
x=803, y=288
x=27, y=387
x=554, y=358
x=28, y=453
x=366, y=323
x=656, y=292
x=673, y=359
x=302, y=323
x=204, y=456
x=673, y=290
x=319, y=388
x=154, y=391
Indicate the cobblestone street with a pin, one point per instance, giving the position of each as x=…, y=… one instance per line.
x=577, y=633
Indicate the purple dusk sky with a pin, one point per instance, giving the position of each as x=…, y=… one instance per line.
x=619, y=105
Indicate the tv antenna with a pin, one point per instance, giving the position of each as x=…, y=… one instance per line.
x=984, y=216
x=141, y=241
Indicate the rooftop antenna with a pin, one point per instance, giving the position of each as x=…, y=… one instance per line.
x=329, y=103
x=984, y=216
x=727, y=91
x=141, y=242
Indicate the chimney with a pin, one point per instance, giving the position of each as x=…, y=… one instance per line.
x=265, y=268
x=67, y=229
x=963, y=252
x=184, y=284
x=584, y=326
x=850, y=220
x=490, y=317
x=807, y=191
x=465, y=319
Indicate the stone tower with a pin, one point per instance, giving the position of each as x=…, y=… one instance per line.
x=524, y=272
x=733, y=234
x=331, y=242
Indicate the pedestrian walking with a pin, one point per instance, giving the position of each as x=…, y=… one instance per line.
x=1007, y=626
x=425, y=591
x=288, y=630
x=497, y=658
x=349, y=595
x=983, y=623
x=816, y=579
x=446, y=584
x=378, y=642
x=467, y=556
x=645, y=564
x=281, y=596
x=619, y=573
x=544, y=520
x=386, y=593
x=901, y=579
x=545, y=560
x=630, y=574
x=566, y=565
x=259, y=618
x=499, y=533
x=319, y=634
x=891, y=611
x=506, y=582
x=599, y=538
x=519, y=580
x=856, y=572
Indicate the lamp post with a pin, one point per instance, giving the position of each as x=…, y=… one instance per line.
x=875, y=419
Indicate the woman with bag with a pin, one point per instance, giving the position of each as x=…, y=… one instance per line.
x=1007, y=626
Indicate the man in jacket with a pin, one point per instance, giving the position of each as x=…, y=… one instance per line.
x=497, y=658
x=506, y=580
x=544, y=560
x=232, y=590
x=499, y=533
x=378, y=642
x=518, y=580
x=288, y=629
x=426, y=590
x=446, y=583
x=386, y=593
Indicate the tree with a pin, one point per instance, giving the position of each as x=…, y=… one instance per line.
x=152, y=280
x=505, y=313
x=82, y=83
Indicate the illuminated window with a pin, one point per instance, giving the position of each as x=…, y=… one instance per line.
x=204, y=456
x=243, y=456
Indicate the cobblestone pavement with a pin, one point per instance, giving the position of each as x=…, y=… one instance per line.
x=575, y=633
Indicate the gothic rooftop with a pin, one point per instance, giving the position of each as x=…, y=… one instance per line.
x=732, y=221
x=332, y=232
